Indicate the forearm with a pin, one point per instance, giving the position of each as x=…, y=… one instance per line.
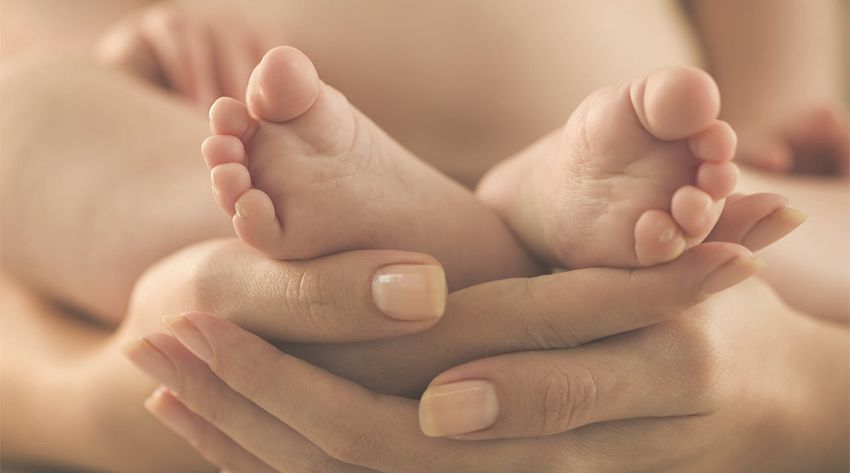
x=777, y=54
x=69, y=399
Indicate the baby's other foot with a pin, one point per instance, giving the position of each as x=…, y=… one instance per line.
x=304, y=174
x=639, y=174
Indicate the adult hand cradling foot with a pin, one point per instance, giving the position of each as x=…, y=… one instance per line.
x=481, y=236
x=674, y=376
x=666, y=391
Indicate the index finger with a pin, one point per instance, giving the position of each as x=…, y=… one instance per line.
x=353, y=296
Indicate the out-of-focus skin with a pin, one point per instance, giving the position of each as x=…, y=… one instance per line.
x=77, y=127
x=56, y=27
x=198, y=56
x=781, y=70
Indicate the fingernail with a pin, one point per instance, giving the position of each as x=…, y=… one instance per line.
x=152, y=361
x=458, y=408
x=731, y=273
x=410, y=292
x=773, y=227
x=189, y=335
x=172, y=413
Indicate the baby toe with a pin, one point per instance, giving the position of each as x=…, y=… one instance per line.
x=229, y=181
x=221, y=149
x=715, y=144
x=230, y=117
x=256, y=223
x=694, y=211
x=283, y=86
x=658, y=239
x=717, y=179
x=677, y=102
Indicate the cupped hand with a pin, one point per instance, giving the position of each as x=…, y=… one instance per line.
x=352, y=296
x=198, y=54
x=816, y=141
x=650, y=383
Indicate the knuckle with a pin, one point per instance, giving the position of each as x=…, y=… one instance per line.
x=307, y=296
x=540, y=328
x=567, y=399
x=357, y=446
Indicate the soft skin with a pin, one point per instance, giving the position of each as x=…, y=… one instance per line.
x=53, y=351
x=700, y=418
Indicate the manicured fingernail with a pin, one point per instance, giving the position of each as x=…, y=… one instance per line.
x=458, y=408
x=173, y=414
x=189, y=335
x=410, y=292
x=773, y=227
x=148, y=358
x=731, y=273
x=240, y=210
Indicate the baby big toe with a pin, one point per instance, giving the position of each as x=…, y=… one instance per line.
x=677, y=102
x=283, y=86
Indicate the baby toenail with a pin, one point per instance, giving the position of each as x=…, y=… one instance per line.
x=240, y=210
x=667, y=235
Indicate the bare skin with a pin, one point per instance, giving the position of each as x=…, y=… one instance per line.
x=789, y=108
x=303, y=174
x=102, y=95
x=442, y=153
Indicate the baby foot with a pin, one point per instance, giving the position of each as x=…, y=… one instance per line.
x=304, y=174
x=638, y=174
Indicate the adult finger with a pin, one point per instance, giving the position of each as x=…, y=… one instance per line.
x=357, y=426
x=756, y=220
x=554, y=311
x=346, y=421
x=576, y=307
x=205, y=438
x=166, y=360
x=635, y=375
x=359, y=295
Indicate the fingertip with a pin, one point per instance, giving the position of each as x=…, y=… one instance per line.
x=735, y=271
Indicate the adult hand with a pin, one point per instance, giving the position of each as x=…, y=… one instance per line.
x=328, y=300
x=737, y=383
x=200, y=55
x=352, y=296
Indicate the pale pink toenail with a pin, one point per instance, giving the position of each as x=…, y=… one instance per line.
x=240, y=210
x=667, y=235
